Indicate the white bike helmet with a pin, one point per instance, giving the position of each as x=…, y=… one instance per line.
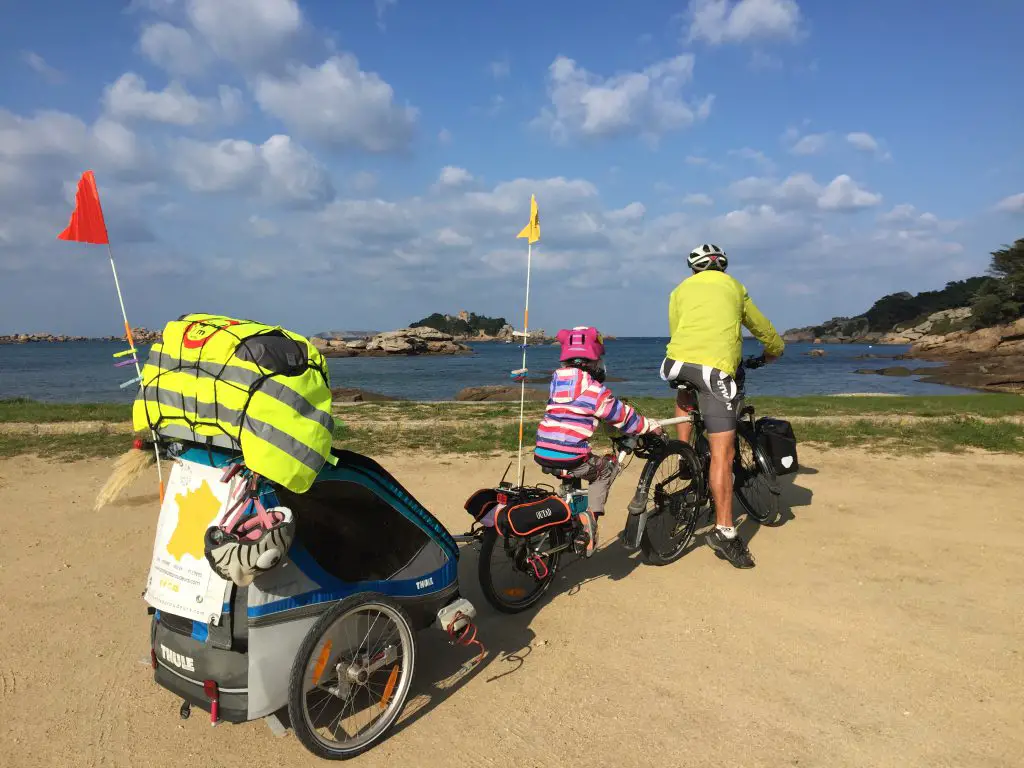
x=707, y=256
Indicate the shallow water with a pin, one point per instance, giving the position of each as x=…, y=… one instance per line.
x=84, y=372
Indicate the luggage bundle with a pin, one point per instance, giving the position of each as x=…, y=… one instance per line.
x=244, y=386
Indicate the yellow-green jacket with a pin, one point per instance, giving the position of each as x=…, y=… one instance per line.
x=705, y=315
x=241, y=385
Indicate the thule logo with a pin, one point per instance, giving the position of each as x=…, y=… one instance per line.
x=542, y=513
x=424, y=583
x=184, y=663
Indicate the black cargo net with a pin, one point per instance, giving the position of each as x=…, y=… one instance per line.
x=272, y=352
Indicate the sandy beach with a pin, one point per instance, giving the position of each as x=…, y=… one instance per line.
x=881, y=627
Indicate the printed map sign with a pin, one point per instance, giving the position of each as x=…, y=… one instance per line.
x=180, y=580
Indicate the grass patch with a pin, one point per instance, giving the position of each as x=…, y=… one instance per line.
x=948, y=436
x=949, y=423
x=34, y=412
x=70, y=447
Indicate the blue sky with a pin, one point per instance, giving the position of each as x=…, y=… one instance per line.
x=364, y=163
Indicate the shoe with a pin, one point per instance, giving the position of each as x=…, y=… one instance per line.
x=734, y=550
x=586, y=540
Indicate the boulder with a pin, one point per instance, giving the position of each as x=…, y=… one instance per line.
x=356, y=395
x=332, y=351
x=358, y=344
x=500, y=393
x=816, y=353
x=426, y=333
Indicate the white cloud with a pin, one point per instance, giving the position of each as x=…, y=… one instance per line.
x=444, y=136
x=631, y=213
x=129, y=99
x=905, y=217
x=451, y=238
x=725, y=21
x=865, y=142
x=811, y=144
x=755, y=155
x=246, y=31
x=647, y=103
x=173, y=49
x=698, y=198
x=801, y=191
x=339, y=104
x=453, y=176
x=764, y=62
x=363, y=182
x=278, y=169
x=381, y=7
x=1011, y=204
x=500, y=68
x=262, y=227
x=39, y=65
x=758, y=227
x=843, y=194
x=696, y=160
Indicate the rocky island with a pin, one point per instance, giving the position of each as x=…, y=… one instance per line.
x=141, y=336
x=404, y=341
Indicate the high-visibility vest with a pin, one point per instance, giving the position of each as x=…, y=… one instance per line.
x=245, y=386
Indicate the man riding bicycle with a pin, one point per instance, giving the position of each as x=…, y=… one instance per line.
x=705, y=314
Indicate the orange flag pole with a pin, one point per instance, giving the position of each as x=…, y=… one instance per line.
x=87, y=225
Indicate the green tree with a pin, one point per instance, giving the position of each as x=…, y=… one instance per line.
x=1000, y=299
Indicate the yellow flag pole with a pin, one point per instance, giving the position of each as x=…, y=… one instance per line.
x=526, y=342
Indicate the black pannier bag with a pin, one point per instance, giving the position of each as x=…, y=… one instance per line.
x=481, y=502
x=532, y=516
x=775, y=437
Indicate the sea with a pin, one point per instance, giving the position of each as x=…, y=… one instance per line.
x=85, y=372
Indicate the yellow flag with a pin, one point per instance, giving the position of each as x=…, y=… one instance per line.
x=532, y=230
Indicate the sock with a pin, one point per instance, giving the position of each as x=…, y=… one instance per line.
x=727, y=530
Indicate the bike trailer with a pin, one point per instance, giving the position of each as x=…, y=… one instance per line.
x=777, y=440
x=232, y=650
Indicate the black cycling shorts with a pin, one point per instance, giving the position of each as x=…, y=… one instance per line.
x=717, y=393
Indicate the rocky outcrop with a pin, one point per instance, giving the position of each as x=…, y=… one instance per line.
x=990, y=358
x=937, y=323
x=141, y=336
x=404, y=341
x=854, y=330
x=500, y=393
x=356, y=395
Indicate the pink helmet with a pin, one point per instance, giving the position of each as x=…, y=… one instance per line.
x=583, y=341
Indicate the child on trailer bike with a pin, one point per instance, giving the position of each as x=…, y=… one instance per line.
x=577, y=401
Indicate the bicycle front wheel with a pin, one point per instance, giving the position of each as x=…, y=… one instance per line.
x=756, y=485
x=672, y=481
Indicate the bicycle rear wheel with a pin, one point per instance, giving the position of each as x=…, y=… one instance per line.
x=513, y=577
x=756, y=485
x=672, y=481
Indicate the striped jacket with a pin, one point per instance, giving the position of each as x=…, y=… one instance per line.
x=575, y=405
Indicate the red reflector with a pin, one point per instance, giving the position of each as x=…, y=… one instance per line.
x=210, y=689
x=137, y=445
x=152, y=657
x=502, y=498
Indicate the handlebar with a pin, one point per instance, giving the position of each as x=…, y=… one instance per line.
x=751, y=363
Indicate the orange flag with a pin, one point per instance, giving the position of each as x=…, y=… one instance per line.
x=86, y=225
